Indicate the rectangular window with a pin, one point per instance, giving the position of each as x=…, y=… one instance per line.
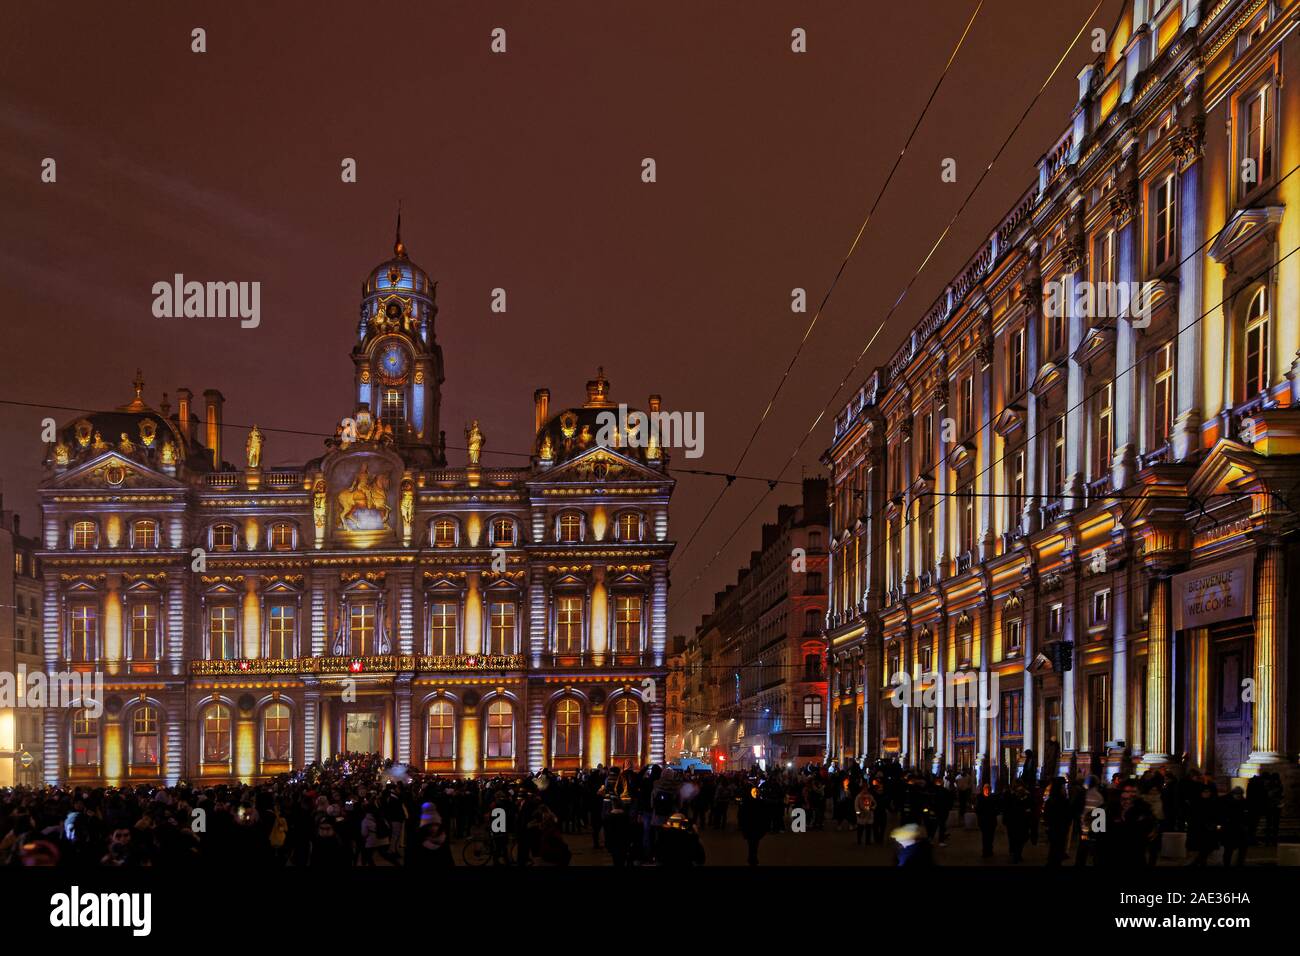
x=144, y=737
x=627, y=623
x=1098, y=710
x=281, y=631
x=967, y=404
x=1011, y=638
x=966, y=517
x=1255, y=337
x=1163, y=237
x=1103, y=268
x=1101, y=606
x=84, y=632
x=393, y=411
x=221, y=633
x=1016, y=362
x=812, y=711
x=361, y=629
x=1105, y=430
x=1255, y=164
x=1058, y=456
x=1162, y=399
x=1055, y=618
x=502, y=637
x=442, y=629
x=925, y=449
x=144, y=632
x=1016, y=486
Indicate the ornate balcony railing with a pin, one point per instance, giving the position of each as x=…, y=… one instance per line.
x=358, y=665
x=1098, y=488
x=1052, y=510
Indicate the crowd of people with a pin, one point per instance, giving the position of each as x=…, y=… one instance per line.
x=359, y=810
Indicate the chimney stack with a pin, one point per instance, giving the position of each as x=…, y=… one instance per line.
x=541, y=408
x=183, y=398
x=212, y=402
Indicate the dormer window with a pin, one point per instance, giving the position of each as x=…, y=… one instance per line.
x=85, y=535
x=144, y=534
x=629, y=526
x=568, y=527
x=282, y=536
x=503, y=532
x=443, y=534
x=223, y=537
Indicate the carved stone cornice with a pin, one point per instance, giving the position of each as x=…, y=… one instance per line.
x=1187, y=143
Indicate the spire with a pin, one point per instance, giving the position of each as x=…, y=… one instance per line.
x=399, y=250
x=137, y=404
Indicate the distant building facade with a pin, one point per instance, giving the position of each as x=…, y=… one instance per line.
x=21, y=723
x=250, y=620
x=755, y=677
x=1096, y=506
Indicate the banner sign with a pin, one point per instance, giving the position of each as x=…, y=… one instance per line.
x=1217, y=592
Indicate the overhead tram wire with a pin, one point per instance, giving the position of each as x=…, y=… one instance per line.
x=794, y=358
x=897, y=302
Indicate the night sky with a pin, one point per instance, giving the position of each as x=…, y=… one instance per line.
x=520, y=171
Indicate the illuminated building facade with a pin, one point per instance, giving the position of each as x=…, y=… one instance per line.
x=462, y=619
x=756, y=685
x=21, y=725
x=1097, y=505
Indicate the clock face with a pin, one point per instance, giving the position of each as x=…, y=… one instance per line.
x=393, y=360
x=393, y=311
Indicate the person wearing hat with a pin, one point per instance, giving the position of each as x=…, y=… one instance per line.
x=679, y=844
x=432, y=845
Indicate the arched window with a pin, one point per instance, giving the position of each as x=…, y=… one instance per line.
x=627, y=728
x=629, y=526
x=568, y=527
x=85, y=535
x=222, y=537
x=216, y=734
x=1255, y=371
x=282, y=536
x=85, y=739
x=145, y=740
x=500, y=737
x=567, y=738
x=812, y=711
x=503, y=532
x=277, y=733
x=442, y=731
x=144, y=534
x=443, y=533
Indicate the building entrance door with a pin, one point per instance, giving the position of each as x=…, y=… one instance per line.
x=361, y=732
x=1233, y=663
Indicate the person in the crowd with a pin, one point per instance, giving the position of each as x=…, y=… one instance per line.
x=1056, y=814
x=753, y=823
x=988, y=808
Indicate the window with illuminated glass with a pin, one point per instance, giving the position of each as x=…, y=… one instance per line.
x=1057, y=453
x=1105, y=430
x=629, y=526
x=144, y=534
x=627, y=727
x=145, y=741
x=441, y=742
x=393, y=407
x=281, y=629
x=442, y=628
x=85, y=739
x=500, y=735
x=568, y=624
x=1255, y=377
x=812, y=711
x=1256, y=134
x=1162, y=394
x=143, y=644
x=1103, y=262
x=567, y=739
x=627, y=623
x=1016, y=361
x=1016, y=488
x=1163, y=209
x=277, y=733
x=282, y=536
x=362, y=621
x=85, y=535
x=223, y=537
x=501, y=627
x=83, y=632
x=216, y=734
x=444, y=532
x=222, y=639
x=569, y=527
x=503, y=531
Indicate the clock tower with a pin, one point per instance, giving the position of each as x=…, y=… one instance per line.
x=397, y=358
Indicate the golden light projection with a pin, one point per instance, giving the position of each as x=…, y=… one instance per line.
x=252, y=621
x=250, y=533
x=113, y=629
x=474, y=529
x=599, y=617
x=596, y=739
x=469, y=746
x=112, y=752
x=113, y=530
x=599, y=522
x=245, y=750
x=473, y=618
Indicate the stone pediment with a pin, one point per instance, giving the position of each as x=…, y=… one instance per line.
x=115, y=471
x=600, y=464
x=1244, y=228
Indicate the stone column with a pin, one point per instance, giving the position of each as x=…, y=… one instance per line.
x=1075, y=395
x=1159, y=639
x=1269, y=710
x=1191, y=252
x=984, y=480
x=1119, y=659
